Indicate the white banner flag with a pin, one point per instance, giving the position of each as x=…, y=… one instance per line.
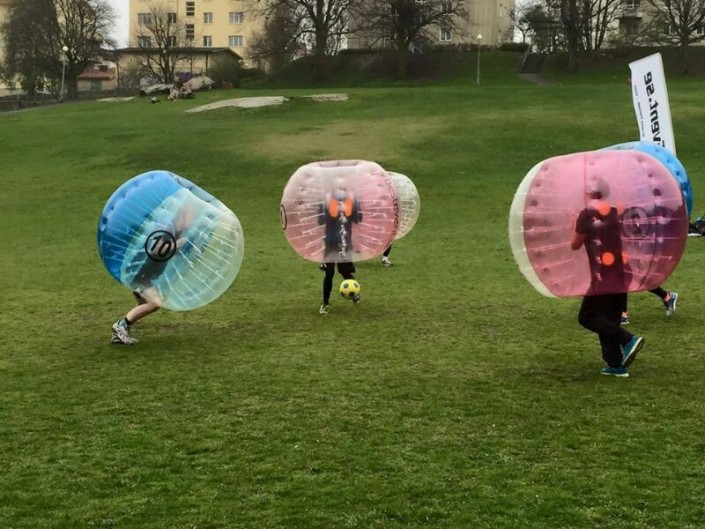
x=653, y=114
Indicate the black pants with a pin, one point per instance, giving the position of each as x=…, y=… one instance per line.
x=657, y=291
x=347, y=270
x=601, y=315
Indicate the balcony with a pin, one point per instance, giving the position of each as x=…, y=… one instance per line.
x=630, y=12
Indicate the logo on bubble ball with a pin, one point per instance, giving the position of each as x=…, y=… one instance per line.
x=160, y=246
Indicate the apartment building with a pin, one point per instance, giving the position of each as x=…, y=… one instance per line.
x=489, y=23
x=231, y=23
x=4, y=13
x=208, y=23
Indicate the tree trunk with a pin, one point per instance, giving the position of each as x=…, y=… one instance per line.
x=402, y=61
x=319, y=64
x=685, y=58
x=72, y=88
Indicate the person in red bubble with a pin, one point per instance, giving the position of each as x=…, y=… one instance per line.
x=598, y=229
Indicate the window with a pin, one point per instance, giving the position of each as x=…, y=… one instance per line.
x=631, y=4
x=190, y=9
x=237, y=17
x=235, y=41
x=446, y=7
x=207, y=41
x=446, y=35
x=190, y=31
x=171, y=18
x=700, y=30
x=96, y=85
x=171, y=41
x=207, y=18
x=144, y=18
x=144, y=42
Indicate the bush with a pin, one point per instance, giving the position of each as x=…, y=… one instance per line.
x=514, y=46
x=225, y=71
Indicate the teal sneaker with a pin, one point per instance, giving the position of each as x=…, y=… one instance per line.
x=630, y=350
x=620, y=372
x=671, y=303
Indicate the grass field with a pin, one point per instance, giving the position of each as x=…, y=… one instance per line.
x=455, y=396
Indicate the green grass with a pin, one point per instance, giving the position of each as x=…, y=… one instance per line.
x=455, y=396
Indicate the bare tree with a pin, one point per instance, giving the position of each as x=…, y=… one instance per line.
x=538, y=26
x=406, y=22
x=584, y=24
x=598, y=17
x=681, y=20
x=321, y=23
x=37, y=31
x=279, y=40
x=163, y=42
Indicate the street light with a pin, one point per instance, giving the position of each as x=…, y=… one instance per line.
x=479, y=41
x=64, y=58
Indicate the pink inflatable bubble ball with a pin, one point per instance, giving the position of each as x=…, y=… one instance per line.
x=629, y=192
x=340, y=211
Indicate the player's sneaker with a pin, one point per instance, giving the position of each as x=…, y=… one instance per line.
x=615, y=371
x=630, y=350
x=671, y=303
x=322, y=267
x=356, y=299
x=122, y=333
x=624, y=319
x=386, y=261
x=324, y=309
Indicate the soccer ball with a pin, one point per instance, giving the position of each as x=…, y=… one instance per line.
x=349, y=288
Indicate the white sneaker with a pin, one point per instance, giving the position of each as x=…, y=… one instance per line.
x=324, y=309
x=121, y=334
x=671, y=303
x=386, y=261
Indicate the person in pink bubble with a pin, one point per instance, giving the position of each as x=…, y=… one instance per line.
x=338, y=213
x=599, y=230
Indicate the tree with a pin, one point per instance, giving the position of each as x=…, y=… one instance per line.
x=163, y=42
x=406, y=22
x=37, y=31
x=538, y=26
x=321, y=24
x=279, y=40
x=598, y=17
x=583, y=24
x=681, y=20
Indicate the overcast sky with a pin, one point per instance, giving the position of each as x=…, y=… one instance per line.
x=122, y=8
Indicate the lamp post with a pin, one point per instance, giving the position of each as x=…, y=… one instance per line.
x=479, y=41
x=64, y=58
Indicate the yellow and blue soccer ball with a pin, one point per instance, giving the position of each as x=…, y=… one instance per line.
x=349, y=288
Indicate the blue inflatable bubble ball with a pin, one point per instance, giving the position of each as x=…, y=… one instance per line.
x=167, y=239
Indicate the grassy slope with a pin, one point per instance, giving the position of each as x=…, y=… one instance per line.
x=455, y=396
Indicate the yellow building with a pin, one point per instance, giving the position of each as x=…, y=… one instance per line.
x=208, y=23
x=229, y=23
x=4, y=12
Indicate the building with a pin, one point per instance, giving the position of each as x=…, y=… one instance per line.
x=232, y=23
x=208, y=23
x=489, y=23
x=4, y=13
x=98, y=78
